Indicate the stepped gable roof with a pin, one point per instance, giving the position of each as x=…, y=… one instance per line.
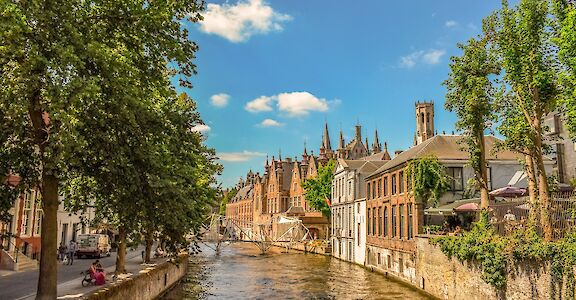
x=287, y=174
x=446, y=147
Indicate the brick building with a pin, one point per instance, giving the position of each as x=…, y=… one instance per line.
x=395, y=217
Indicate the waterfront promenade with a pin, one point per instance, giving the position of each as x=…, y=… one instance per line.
x=22, y=285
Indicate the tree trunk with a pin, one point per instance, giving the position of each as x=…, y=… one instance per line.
x=543, y=189
x=48, y=277
x=148, y=251
x=121, y=255
x=532, y=190
x=483, y=178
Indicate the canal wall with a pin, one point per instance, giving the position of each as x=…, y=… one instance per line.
x=316, y=246
x=150, y=284
x=451, y=279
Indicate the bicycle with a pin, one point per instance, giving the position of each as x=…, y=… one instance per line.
x=87, y=279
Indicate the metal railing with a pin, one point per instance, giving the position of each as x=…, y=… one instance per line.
x=510, y=216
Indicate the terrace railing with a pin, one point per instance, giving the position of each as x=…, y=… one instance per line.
x=510, y=216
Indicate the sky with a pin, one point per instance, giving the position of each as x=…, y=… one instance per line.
x=270, y=73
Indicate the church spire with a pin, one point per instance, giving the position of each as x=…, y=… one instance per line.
x=386, y=155
x=326, y=139
x=376, y=145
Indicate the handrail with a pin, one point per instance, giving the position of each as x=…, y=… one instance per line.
x=9, y=236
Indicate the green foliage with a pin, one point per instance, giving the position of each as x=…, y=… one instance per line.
x=429, y=179
x=317, y=189
x=565, y=40
x=226, y=199
x=471, y=95
x=499, y=255
x=86, y=98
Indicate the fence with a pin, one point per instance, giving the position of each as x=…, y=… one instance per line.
x=511, y=216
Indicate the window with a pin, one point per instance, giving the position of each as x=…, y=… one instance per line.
x=386, y=186
x=385, y=221
x=394, y=221
x=368, y=191
x=374, y=221
x=38, y=221
x=369, y=219
x=401, y=212
x=358, y=232
x=374, y=189
x=410, y=220
x=379, y=187
x=379, y=221
x=457, y=181
x=350, y=188
x=394, y=184
x=295, y=185
x=401, y=181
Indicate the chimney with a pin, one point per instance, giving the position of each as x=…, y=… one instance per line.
x=397, y=152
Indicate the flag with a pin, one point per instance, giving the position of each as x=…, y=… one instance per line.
x=327, y=201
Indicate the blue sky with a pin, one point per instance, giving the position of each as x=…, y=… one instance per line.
x=271, y=72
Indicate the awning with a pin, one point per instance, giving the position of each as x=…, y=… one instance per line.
x=449, y=209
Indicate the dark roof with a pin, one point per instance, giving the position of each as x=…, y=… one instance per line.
x=446, y=147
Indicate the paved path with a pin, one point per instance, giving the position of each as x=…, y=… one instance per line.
x=22, y=285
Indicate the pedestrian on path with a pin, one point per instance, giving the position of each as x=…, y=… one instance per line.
x=72, y=247
x=62, y=251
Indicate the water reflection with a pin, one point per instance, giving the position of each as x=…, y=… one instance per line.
x=239, y=272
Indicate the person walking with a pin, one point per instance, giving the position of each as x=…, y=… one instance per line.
x=72, y=247
x=62, y=251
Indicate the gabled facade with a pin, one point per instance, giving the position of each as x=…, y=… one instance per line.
x=349, y=208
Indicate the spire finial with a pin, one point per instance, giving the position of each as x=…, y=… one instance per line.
x=280, y=154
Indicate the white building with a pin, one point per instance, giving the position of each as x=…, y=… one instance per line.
x=349, y=208
x=70, y=225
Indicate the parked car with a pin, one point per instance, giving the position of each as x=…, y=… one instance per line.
x=93, y=245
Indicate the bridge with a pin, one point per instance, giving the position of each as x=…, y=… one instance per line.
x=223, y=231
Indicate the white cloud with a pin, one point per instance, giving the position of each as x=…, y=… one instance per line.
x=433, y=57
x=201, y=128
x=259, y=104
x=300, y=103
x=239, y=156
x=238, y=22
x=451, y=23
x=220, y=100
x=430, y=57
x=292, y=104
x=270, y=123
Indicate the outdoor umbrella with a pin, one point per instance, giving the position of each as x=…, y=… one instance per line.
x=508, y=192
x=468, y=207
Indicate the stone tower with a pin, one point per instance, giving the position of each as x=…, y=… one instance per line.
x=424, y=121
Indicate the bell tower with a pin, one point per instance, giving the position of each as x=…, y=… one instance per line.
x=424, y=121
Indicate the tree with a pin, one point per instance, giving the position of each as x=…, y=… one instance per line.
x=428, y=178
x=565, y=40
x=57, y=65
x=228, y=195
x=521, y=37
x=471, y=95
x=319, y=188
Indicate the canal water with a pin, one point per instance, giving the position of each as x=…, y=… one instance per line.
x=240, y=272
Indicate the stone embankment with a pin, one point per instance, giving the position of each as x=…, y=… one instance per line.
x=150, y=283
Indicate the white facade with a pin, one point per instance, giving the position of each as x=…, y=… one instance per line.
x=349, y=209
x=70, y=225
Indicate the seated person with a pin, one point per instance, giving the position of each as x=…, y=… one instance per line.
x=509, y=216
x=97, y=273
x=159, y=252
